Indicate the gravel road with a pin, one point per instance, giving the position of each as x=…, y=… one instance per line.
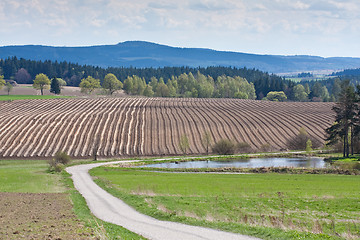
x=111, y=209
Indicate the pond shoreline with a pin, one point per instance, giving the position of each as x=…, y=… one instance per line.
x=240, y=162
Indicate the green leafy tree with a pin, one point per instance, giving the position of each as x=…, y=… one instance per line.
x=111, y=83
x=241, y=95
x=172, y=88
x=41, y=82
x=319, y=93
x=148, y=92
x=62, y=83
x=184, y=144
x=308, y=148
x=2, y=81
x=129, y=85
x=276, y=96
x=307, y=88
x=162, y=90
x=89, y=84
x=336, y=89
x=300, y=93
x=153, y=83
x=8, y=87
x=55, y=86
x=345, y=125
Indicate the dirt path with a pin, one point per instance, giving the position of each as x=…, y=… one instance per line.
x=111, y=209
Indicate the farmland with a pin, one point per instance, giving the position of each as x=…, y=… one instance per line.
x=269, y=206
x=35, y=204
x=117, y=127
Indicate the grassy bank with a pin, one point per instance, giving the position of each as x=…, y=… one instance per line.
x=270, y=206
x=23, y=97
x=31, y=176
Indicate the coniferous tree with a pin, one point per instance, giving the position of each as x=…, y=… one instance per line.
x=55, y=86
x=346, y=121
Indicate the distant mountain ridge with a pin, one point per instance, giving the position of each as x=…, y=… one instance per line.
x=142, y=54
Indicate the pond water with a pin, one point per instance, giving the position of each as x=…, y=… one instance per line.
x=311, y=162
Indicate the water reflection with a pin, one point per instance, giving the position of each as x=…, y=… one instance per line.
x=311, y=162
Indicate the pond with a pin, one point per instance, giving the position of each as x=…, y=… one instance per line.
x=311, y=162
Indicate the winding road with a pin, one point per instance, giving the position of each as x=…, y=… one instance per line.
x=111, y=209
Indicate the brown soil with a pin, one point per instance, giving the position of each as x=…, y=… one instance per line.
x=39, y=216
x=121, y=127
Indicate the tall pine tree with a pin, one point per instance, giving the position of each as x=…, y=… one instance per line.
x=346, y=121
x=55, y=86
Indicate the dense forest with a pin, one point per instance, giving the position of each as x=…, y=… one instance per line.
x=348, y=72
x=264, y=85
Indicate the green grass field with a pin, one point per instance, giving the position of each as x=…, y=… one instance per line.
x=32, y=176
x=270, y=206
x=28, y=176
x=23, y=97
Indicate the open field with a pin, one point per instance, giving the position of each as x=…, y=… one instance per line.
x=35, y=204
x=24, y=97
x=270, y=206
x=27, y=89
x=150, y=126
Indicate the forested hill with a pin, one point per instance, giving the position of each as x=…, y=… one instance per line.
x=144, y=54
x=348, y=72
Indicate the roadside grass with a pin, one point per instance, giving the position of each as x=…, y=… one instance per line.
x=24, y=97
x=32, y=176
x=269, y=206
x=82, y=211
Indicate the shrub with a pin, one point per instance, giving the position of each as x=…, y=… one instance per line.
x=224, y=147
x=244, y=147
x=308, y=146
x=58, y=163
x=265, y=147
x=299, y=141
x=62, y=157
x=356, y=166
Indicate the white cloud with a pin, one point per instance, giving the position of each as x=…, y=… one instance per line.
x=80, y=22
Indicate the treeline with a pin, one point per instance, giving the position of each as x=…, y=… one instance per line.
x=347, y=72
x=188, y=85
x=184, y=81
x=24, y=71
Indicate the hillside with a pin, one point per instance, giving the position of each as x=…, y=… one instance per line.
x=150, y=126
x=145, y=54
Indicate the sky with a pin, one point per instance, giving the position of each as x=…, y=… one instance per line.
x=325, y=28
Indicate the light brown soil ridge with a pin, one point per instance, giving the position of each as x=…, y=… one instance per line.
x=150, y=126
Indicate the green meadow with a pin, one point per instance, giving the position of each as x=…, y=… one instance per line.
x=24, y=97
x=28, y=176
x=269, y=206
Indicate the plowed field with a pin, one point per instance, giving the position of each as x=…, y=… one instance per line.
x=150, y=126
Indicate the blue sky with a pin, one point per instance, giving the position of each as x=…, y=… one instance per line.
x=290, y=27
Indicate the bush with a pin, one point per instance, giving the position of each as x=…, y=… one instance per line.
x=356, y=166
x=244, y=147
x=299, y=141
x=58, y=163
x=224, y=147
x=62, y=157
x=265, y=147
